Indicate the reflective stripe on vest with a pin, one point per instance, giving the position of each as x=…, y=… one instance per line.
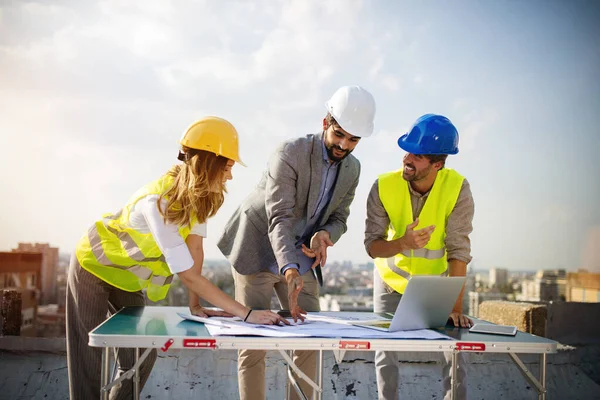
x=401, y=272
x=395, y=197
x=425, y=253
x=124, y=257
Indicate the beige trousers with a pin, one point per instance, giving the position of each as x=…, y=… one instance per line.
x=255, y=291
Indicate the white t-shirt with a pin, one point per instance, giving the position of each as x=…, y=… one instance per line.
x=145, y=218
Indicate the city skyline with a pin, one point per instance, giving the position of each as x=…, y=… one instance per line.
x=95, y=96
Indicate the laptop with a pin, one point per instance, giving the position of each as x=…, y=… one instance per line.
x=426, y=303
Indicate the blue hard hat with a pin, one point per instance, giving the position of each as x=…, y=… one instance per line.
x=431, y=134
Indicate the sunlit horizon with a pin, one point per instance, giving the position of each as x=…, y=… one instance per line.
x=95, y=95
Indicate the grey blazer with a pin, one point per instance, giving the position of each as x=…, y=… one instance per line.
x=265, y=227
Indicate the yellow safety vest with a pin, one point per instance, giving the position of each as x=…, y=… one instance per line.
x=430, y=260
x=124, y=257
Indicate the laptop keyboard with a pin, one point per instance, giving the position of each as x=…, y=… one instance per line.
x=383, y=324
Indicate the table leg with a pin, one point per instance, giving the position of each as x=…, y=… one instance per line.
x=542, y=395
x=130, y=374
x=104, y=373
x=295, y=385
x=302, y=375
x=115, y=366
x=539, y=385
x=319, y=395
x=453, y=378
x=136, y=378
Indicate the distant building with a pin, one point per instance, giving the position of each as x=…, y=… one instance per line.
x=530, y=290
x=22, y=271
x=360, y=291
x=553, y=284
x=498, y=277
x=481, y=280
x=476, y=298
x=51, y=321
x=583, y=287
x=591, y=250
x=61, y=291
x=469, y=287
x=61, y=280
x=548, y=285
x=330, y=302
x=49, y=269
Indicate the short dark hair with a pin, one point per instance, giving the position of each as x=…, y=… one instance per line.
x=433, y=158
x=331, y=121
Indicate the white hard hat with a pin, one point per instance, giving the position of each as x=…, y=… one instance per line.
x=354, y=109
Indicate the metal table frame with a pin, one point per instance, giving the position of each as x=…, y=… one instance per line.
x=121, y=331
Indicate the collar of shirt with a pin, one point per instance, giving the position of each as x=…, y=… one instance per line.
x=417, y=194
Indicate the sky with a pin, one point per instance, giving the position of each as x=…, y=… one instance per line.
x=94, y=96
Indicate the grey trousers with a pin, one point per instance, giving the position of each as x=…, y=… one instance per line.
x=386, y=299
x=255, y=291
x=89, y=301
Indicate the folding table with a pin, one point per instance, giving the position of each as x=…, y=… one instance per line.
x=162, y=329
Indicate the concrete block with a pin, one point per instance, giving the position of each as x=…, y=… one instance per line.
x=526, y=317
x=10, y=312
x=574, y=323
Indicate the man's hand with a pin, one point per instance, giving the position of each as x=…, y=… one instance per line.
x=460, y=319
x=294, y=285
x=318, y=248
x=265, y=317
x=200, y=311
x=416, y=239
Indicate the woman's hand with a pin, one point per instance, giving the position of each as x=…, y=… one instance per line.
x=200, y=311
x=265, y=317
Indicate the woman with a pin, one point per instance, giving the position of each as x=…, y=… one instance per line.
x=156, y=235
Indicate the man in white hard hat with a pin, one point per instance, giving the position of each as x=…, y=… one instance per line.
x=277, y=239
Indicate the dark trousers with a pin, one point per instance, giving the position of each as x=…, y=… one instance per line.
x=90, y=301
x=386, y=299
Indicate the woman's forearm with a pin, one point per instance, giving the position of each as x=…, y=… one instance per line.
x=202, y=287
x=193, y=300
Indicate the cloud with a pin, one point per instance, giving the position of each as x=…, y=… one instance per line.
x=376, y=67
x=95, y=95
x=460, y=103
x=379, y=70
x=557, y=214
x=391, y=82
x=474, y=121
x=385, y=142
x=96, y=91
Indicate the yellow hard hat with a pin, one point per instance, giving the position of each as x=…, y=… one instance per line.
x=213, y=134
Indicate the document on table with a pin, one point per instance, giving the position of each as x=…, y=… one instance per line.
x=220, y=326
x=348, y=317
x=236, y=327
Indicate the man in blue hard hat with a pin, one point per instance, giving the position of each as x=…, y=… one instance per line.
x=422, y=206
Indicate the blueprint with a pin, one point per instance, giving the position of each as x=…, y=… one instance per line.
x=220, y=326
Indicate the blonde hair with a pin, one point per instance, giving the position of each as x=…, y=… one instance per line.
x=198, y=188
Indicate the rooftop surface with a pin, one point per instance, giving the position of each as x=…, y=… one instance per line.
x=36, y=368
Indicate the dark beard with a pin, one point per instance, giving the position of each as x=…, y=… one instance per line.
x=332, y=157
x=417, y=175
